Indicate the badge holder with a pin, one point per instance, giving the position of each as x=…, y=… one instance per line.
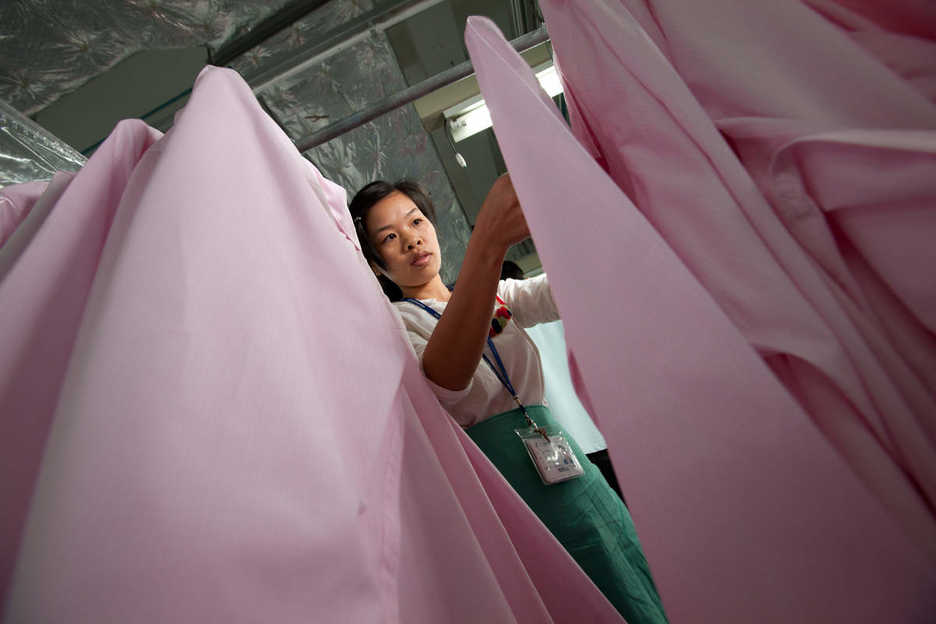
x=551, y=453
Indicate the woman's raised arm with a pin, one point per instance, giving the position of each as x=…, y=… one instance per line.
x=455, y=347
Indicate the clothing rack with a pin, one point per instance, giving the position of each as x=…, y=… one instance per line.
x=414, y=92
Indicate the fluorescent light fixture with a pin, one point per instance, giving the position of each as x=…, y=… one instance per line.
x=549, y=79
x=470, y=117
x=467, y=118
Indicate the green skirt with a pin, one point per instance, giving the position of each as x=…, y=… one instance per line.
x=584, y=514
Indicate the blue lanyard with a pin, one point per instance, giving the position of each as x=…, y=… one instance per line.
x=500, y=371
x=500, y=374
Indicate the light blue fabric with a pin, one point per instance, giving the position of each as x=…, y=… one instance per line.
x=563, y=402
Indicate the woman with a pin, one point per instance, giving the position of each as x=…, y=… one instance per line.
x=486, y=372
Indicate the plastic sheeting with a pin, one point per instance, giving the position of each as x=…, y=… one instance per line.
x=28, y=152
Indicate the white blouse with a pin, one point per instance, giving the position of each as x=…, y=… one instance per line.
x=530, y=302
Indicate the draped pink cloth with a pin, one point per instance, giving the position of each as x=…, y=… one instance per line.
x=211, y=413
x=900, y=34
x=744, y=508
x=812, y=234
x=23, y=209
x=916, y=18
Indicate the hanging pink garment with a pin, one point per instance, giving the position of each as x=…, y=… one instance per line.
x=900, y=35
x=809, y=78
x=226, y=418
x=744, y=509
x=843, y=133
x=773, y=270
x=911, y=17
x=42, y=295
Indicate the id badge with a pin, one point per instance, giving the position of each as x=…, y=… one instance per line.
x=553, y=457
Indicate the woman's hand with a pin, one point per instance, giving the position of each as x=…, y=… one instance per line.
x=501, y=222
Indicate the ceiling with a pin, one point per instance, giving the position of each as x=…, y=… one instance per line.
x=75, y=66
x=52, y=47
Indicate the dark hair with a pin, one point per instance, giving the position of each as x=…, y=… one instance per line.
x=511, y=270
x=364, y=200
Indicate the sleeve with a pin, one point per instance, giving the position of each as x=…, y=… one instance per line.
x=418, y=338
x=530, y=300
x=448, y=398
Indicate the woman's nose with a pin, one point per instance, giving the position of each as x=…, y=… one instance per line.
x=413, y=242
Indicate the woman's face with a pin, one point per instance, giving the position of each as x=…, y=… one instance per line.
x=405, y=240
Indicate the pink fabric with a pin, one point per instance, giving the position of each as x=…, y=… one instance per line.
x=912, y=17
x=799, y=100
x=15, y=203
x=775, y=269
x=43, y=298
x=742, y=505
x=32, y=201
x=227, y=420
x=890, y=40
x=846, y=89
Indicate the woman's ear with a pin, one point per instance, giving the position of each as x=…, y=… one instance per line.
x=375, y=268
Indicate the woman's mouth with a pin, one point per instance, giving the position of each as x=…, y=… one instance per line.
x=421, y=260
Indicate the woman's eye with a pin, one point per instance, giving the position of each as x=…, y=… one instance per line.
x=388, y=237
x=417, y=221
